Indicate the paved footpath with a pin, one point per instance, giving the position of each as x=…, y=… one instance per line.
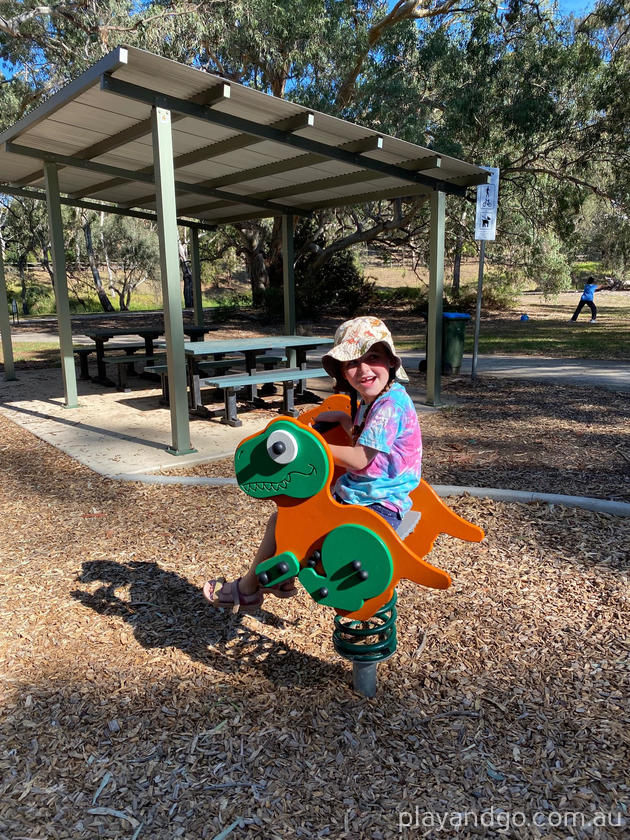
x=615, y=376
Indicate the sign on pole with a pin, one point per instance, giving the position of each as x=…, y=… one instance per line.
x=485, y=230
x=487, y=203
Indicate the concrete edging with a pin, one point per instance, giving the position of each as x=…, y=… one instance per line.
x=444, y=490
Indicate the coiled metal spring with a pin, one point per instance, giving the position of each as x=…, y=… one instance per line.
x=351, y=637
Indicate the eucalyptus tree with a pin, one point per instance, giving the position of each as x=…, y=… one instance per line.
x=543, y=98
x=133, y=251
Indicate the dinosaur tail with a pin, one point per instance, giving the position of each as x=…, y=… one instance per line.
x=437, y=518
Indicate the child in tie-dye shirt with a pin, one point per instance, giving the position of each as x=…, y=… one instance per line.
x=382, y=458
x=384, y=461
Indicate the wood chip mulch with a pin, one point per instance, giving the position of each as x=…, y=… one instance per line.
x=130, y=709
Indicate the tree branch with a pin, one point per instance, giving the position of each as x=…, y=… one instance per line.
x=363, y=235
x=402, y=10
x=12, y=26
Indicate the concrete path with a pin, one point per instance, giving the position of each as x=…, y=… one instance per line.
x=612, y=375
x=615, y=376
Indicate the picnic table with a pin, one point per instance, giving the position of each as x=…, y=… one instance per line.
x=295, y=347
x=102, y=335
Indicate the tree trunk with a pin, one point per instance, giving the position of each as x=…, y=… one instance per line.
x=110, y=273
x=457, y=265
x=184, y=264
x=258, y=275
x=459, y=244
x=46, y=264
x=105, y=302
x=23, y=291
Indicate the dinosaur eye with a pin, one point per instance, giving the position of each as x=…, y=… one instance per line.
x=282, y=447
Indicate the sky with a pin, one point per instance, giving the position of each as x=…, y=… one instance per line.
x=575, y=7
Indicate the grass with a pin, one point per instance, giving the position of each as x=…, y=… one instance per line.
x=34, y=354
x=547, y=338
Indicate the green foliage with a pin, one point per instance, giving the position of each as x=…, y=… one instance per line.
x=339, y=286
x=501, y=289
x=549, y=265
x=401, y=295
x=229, y=306
x=132, y=247
x=517, y=86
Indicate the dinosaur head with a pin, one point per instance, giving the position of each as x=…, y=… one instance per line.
x=286, y=459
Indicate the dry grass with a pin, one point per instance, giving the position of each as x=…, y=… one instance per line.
x=131, y=710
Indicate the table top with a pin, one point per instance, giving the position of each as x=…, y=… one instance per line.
x=241, y=345
x=105, y=332
x=155, y=331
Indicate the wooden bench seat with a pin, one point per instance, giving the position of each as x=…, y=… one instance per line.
x=231, y=383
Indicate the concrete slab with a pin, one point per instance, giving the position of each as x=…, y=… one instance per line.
x=115, y=433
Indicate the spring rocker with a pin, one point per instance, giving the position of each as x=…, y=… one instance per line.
x=345, y=556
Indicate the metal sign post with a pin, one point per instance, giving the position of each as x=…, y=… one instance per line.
x=485, y=230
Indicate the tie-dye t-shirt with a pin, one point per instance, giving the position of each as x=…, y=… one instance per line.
x=392, y=429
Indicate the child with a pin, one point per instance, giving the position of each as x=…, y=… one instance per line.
x=587, y=298
x=383, y=462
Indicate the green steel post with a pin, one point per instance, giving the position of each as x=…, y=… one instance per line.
x=288, y=257
x=195, y=268
x=5, y=326
x=436, y=289
x=55, y=226
x=171, y=290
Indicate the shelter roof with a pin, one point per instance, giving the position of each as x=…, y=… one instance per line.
x=238, y=153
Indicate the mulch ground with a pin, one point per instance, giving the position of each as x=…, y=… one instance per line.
x=130, y=709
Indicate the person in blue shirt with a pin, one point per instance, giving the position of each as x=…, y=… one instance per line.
x=587, y=299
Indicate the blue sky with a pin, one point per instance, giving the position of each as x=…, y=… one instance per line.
x=575, y=7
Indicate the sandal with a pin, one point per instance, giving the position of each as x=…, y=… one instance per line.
x=231, y=596
x=281, y=590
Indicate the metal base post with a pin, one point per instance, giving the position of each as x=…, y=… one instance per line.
x=364, y=678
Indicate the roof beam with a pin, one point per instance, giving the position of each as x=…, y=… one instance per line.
x=223, y=147
x=365, y=144
x=350, y=178
x=129, y=175
x=299, y=162
x=408, y=192
x=209, y=98
x=363, y=198
x=432, y=162
x=266, y=132
x=97, y=206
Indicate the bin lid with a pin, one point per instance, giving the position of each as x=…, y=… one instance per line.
x=453, y=315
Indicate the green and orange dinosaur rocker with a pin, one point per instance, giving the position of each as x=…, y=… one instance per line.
x=346, y=556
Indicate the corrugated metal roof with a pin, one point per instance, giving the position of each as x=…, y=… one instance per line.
x=238, y=153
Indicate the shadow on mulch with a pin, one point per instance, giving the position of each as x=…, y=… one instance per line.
x=165, y=610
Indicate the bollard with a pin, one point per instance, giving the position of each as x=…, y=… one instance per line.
x=351, y=639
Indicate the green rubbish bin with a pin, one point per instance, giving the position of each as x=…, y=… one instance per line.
x=453, y=335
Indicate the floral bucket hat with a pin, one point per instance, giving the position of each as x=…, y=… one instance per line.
x=354, y=338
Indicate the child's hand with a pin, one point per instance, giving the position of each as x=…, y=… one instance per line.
x=340, y=417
